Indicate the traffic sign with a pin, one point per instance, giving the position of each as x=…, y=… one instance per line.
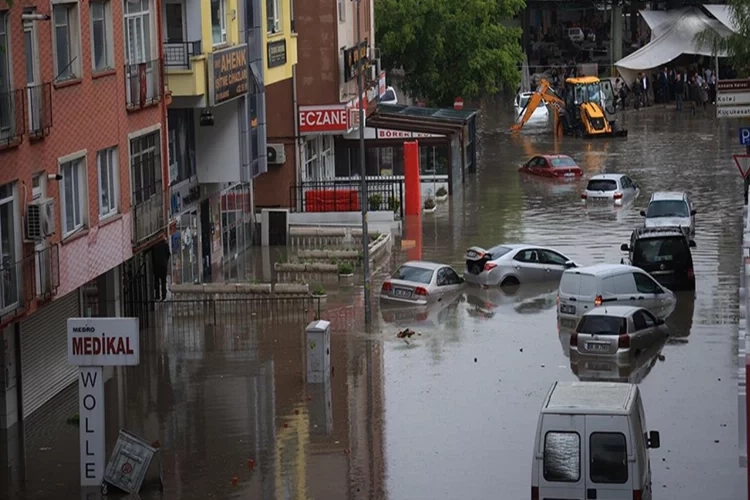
x=743, y=164
x=732, y=111
x=732, y=98
x=745, y=136
x=733, y=85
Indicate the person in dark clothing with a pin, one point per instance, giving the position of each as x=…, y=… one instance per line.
x=679, y=91
x=160, y=255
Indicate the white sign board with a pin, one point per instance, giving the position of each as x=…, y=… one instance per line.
x=103, y=341
x=732, y=111
x=732, y=99
x=91, y=411
x=384, y=133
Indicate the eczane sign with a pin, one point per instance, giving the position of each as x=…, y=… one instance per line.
x=323, y=119
x=103, y=341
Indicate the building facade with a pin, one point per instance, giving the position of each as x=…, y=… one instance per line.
x=82, y=137
x=212, y=144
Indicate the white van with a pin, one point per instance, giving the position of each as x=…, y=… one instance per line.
x=591, y=442
x=583, y=288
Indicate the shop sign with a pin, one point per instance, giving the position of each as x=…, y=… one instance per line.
x=384, y=133
x=228, y=77
x=355, y=60
x=276, y=53
x=103, y=341
x=333, y=119
x=183, y=196
x=381, y=84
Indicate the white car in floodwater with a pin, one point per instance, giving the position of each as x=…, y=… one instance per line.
x=541, y=113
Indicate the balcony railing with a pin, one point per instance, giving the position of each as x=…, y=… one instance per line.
x=35, y=276
x=179, y=54
x=47, y=271
x=144, y=83
x=11, y=117
x=148, y=213
x=39, y=110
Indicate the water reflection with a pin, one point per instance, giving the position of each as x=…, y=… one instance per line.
x=632, y=369
x=430, y=315
x=530, y=298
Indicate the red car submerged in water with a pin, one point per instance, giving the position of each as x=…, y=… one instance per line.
x=553, y=166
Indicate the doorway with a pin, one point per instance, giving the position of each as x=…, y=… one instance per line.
x=206, y=231
x=175, y=21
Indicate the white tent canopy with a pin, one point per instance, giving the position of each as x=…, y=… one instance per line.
x=723, y=14
x=676, y=35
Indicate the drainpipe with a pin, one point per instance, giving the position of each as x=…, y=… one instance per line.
x=164, y=123
x=297, y=138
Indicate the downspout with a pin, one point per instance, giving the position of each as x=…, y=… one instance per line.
x=164, y=121
x=297, y=138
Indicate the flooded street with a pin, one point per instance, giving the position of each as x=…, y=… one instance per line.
x=453, y=414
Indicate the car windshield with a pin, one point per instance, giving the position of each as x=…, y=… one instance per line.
x=415, y=274
x=660, y=250
x=523, y=100
x=563, y=162
x=602, y=325
x=602, y=185
x=498, y=251
x=668, y=208
x=388, y=96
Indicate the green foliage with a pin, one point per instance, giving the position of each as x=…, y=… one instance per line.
x=319, y=290
x=429, y=203
x=345, y=268
x=441, y=191
x=448, y=48
x=394, y=204
x=736, y=45
x=375, y=200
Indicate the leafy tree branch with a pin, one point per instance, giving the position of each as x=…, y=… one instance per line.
x=736, y=45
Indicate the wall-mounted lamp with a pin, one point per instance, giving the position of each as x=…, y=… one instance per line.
x=35, y=17
x=207, y=118
x=54, y=177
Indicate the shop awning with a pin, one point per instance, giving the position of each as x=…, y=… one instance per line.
x=417, y=119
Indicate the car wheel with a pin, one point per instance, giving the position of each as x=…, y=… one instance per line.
x=510, y=281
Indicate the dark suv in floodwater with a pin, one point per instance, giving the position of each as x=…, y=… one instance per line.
x=664, y=253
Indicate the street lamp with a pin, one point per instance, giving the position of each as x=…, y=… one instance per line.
x=363, y=173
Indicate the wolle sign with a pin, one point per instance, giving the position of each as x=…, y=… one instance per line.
x=92, y=344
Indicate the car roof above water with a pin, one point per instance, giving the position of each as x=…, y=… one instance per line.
x=606, y=177
x=616, y=311
x=590, y=397
x=423, y=264
x=668, y=196
x=603, y=270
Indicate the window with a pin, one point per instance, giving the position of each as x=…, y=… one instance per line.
x=311, y=160
x=415, y=274
x=602, y=325
x=671, y=250
x=138, y=31
x=273, y=16
x=67, y=41
x=101, y=35
x=562, y=457
x=106, y=161
x=181, y=148
x=8, y=248
x=645, y=284
x=342, y=11
x=527, y=256
x=447, y=276
x=554, y=258
x=219, y=22
x=327, y=160
x=145, y=167
x=649, y=319
x=608, y=458
x=73, y=194
x=602, y=185
x=668, y=208
x=6, y=99
x=639, y=323
x=563, y=161
x=578, y=284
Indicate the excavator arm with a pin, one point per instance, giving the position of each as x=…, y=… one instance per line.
x=544, y=94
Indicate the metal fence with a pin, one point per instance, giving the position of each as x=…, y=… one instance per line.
x=36, y=276
x=148, y=217
x=144, y=83
x=179, y=54
x=11, y=117
x=383, y=193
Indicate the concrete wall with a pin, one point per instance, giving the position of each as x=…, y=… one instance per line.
x=318, y=65
x=217, y=148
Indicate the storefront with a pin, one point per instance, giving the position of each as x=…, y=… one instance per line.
x=236, y=233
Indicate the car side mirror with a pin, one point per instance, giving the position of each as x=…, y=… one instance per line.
x=569, y=264
x=693, y=212
x=692, y=244
x=654, y=441
x=460, y=280
x=659, y=321
x=624, y=247
x=643, y=213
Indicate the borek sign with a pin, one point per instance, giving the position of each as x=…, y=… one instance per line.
x=332, y=119
x=103, y=341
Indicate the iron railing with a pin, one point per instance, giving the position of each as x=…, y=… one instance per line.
x=11, y=117
x=180, y=54
x=344, y=196
x=148, y=213
x=47, y=272
x=39, y=110
x=144, y=83
x=35, y=276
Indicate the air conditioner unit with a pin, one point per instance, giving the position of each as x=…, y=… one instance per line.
x=276, y=154
x=40, y=219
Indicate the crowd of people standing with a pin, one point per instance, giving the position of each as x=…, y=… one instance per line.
x=696, y=86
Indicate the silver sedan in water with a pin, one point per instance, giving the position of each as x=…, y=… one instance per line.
x=514, y=264
x=418, y=283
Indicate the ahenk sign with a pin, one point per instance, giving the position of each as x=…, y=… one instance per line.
x=332, y=119
x=103, y=341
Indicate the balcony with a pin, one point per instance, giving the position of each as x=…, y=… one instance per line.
x=179, y=55
x=39, y=110
x=35, y=276
x=185, y=69
x=11, y=118
x=143, y=84
x=148, y=213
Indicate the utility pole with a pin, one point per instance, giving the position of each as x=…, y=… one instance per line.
x=362, y=172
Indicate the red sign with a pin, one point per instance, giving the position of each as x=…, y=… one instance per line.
x=743, y=164
x=458, y=104
x=381, y=84
x=733, y=85
x=332, y=119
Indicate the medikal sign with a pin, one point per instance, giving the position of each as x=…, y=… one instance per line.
x=103, y=341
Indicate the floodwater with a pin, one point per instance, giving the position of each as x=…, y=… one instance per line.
x=453, y=414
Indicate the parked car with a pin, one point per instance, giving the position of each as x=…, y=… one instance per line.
x=617, y=331
x=616, y=188
x=664, y=253
x=389, y=97
x=541, y=113
x=418, y=283
x=631, y=369
x=592, y=442
x=555, y=166
x=670, y=209
x=584, y=288
x=514, y=264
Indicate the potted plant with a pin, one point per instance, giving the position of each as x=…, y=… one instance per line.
x=394, y=204
x=441, y=194
x=429, y=205
x=375, y=200
x=319, y=292
x=346, y=274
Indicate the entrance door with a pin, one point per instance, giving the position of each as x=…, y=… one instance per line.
x=610, y=471
x=206, y=239
x=174, y=21
x=34, y=95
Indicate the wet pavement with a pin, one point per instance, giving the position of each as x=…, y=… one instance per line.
x=452, y=415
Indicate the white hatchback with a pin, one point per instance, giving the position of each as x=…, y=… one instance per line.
x=616, y=188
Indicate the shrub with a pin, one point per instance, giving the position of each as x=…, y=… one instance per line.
x=319, y=290
x=394, y=204
x=375, y=201
x=441, y=191
x=345, y=268
x=429, y=203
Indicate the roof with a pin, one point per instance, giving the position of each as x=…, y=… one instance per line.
x=601, y=269
x=423, y=264
x=618, y=311
x=572, y=397
x=723, y=14
x=668, y=195
x=441, y=121
x=550, y=157
x=613, y=177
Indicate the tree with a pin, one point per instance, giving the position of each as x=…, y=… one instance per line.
x=450, y=48
x=737, y=44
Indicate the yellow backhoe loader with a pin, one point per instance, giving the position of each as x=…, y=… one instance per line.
x=580, y=112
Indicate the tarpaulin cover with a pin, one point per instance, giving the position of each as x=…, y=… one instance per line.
x=723, y=14
x=676, y=36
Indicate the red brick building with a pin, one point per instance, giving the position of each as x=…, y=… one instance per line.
x=82, y=156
